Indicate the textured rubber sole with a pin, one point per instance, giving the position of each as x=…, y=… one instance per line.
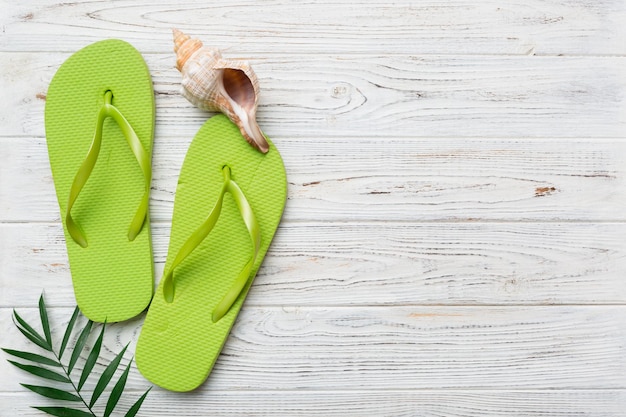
x=112, y=277
x=179, y=343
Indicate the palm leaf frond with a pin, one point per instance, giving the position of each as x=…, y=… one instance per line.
x=54, y=393
x=33, y=357
x=39, y=364
x=106, y=376
x=68, y=332
x=135, y=408
x=29, y=332
x=45, y=324
x=41, y=372
x=91, y=359
x=80, y=344
x=116, y=392
x=64, y=412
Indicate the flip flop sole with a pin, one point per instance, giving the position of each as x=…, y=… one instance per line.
x=179, y=343
x=112, y=276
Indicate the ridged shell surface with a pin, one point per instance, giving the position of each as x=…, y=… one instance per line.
x=213, y=83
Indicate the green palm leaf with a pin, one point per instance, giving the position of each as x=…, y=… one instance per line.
x=91, y=359
x=106, y=376
x=30, y=333
x=54, y=393
x=33, y=357
x=45, y=324
x=40, y=363
x=116, y=392
x=27, y=326
x=32, y=338
x=133, y=410
x=68, y=332
x=80, y=344
x=64, y=412
x=41, y=372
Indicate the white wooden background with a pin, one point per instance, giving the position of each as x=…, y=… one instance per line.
x=454, y=243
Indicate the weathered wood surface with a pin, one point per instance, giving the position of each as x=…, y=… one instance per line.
x=392, y=403
x=348, y=264
x=380, y=348
x=382, y=96
x=429, y=27
x=354, y=179
x=454, y=239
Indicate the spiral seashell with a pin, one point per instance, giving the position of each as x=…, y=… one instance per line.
x=217, y=84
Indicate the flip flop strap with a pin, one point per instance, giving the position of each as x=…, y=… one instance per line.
x=203, y=231
x=109, y=110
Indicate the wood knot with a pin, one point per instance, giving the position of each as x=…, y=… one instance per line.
x=544, y=191
x=339, y=91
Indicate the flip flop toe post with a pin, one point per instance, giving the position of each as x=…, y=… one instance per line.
x=99, y=129
x=228, y=205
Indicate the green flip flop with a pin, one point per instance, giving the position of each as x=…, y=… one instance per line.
x=99, y=130
x=229, y=202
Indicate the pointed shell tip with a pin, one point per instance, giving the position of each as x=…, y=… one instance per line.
x=184, y=46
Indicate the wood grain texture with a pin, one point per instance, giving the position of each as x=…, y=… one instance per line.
x=292, y=27
x=376, y=96
x=358, y=403
x=418, y=179
x=377, y=264
x=453, y=242
x=380, y=348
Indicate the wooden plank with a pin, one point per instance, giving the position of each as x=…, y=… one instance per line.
x=377, y=264
x=311, y=96
x=452, y=179
x=291, y=27
x=453, y=242
x=358, y=403
x=379, y=348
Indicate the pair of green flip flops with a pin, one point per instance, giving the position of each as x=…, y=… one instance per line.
x=100, y=126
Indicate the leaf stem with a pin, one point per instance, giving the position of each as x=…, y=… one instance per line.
x=73, y=385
